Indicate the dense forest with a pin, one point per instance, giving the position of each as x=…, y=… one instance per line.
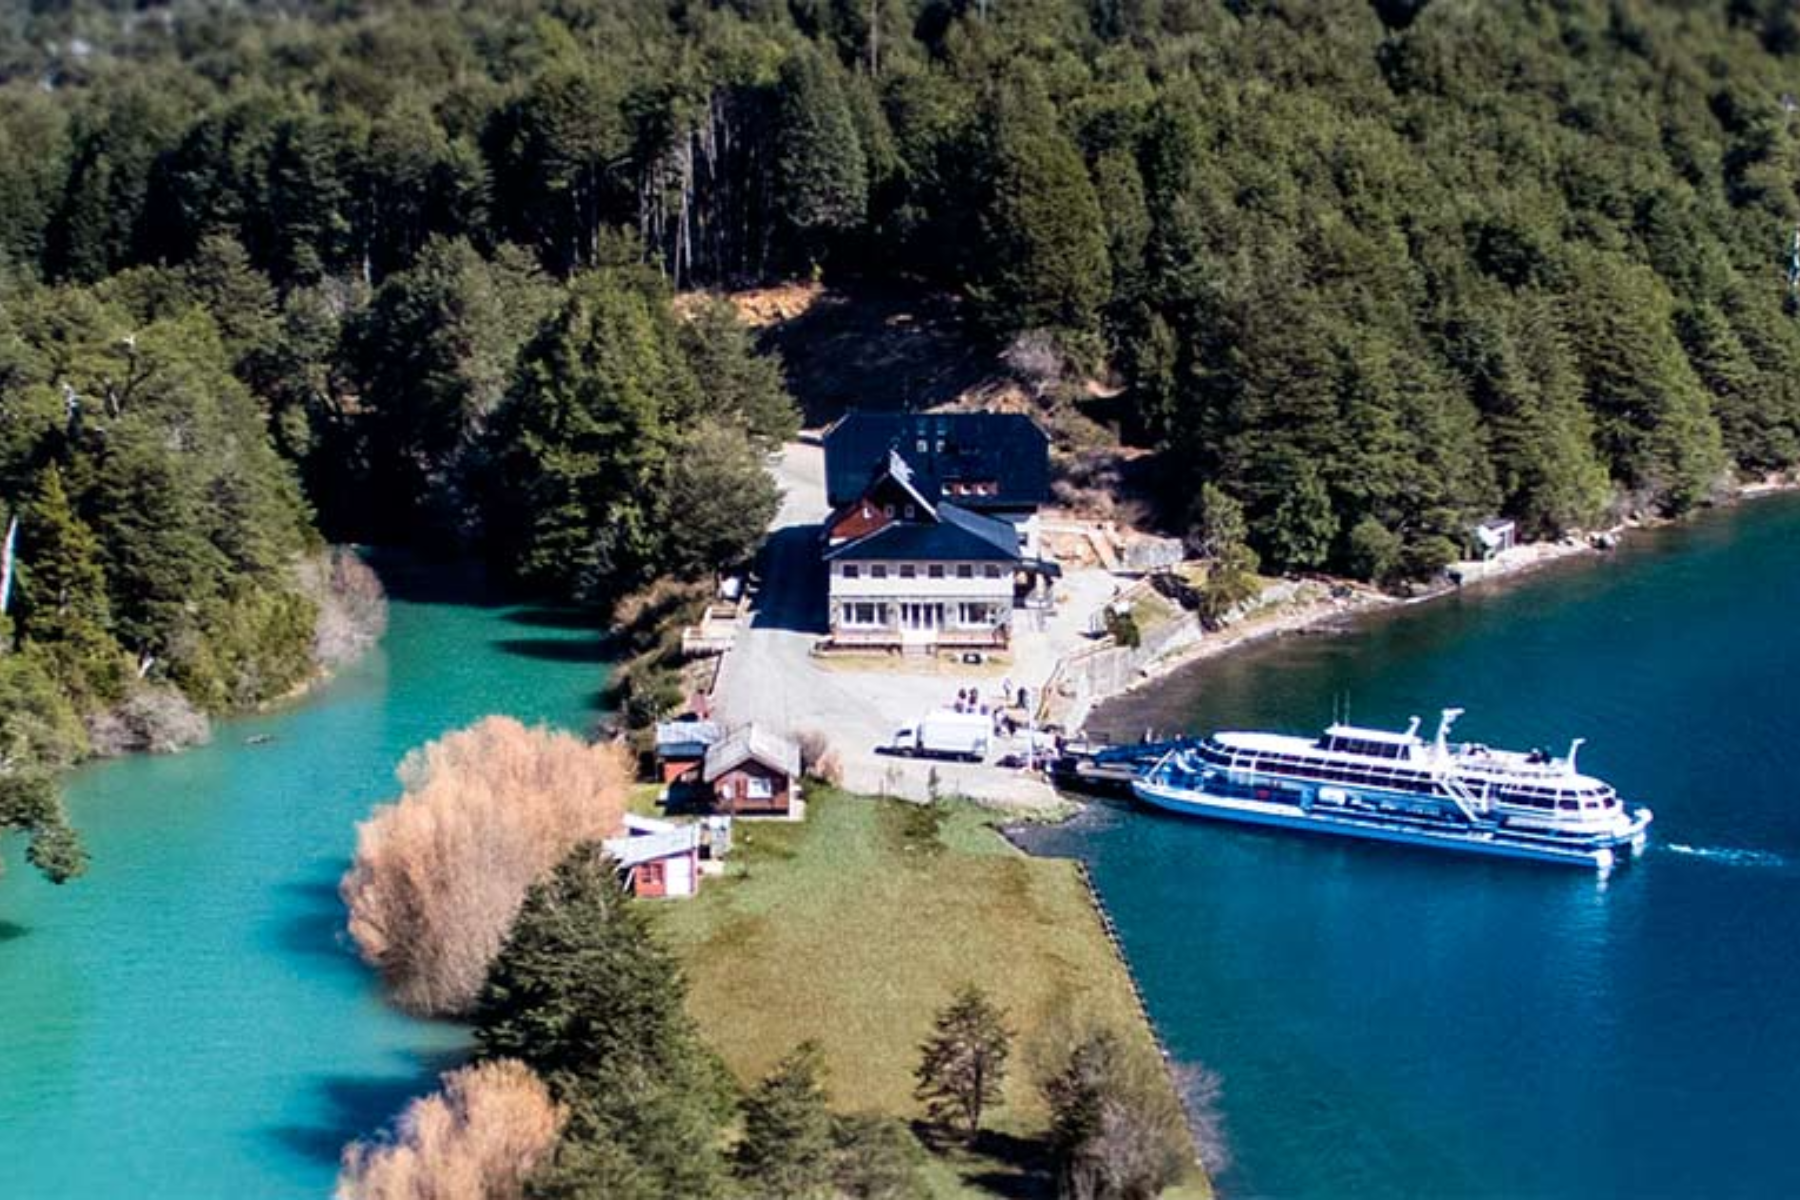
x=279, y=275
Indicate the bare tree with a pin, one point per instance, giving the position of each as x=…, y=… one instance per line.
x=439, y=875
x=479, y=1138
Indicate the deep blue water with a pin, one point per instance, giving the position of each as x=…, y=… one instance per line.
x=186, y=1021
x=1393, y=1022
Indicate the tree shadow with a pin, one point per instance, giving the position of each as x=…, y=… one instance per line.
x=565, y=650
x=415, y=578
x=11, y=932
x=879, y=347
x=557, y=617
x=359, y=1107
x=999, y=1164
x=794, y=592
x=317, y=926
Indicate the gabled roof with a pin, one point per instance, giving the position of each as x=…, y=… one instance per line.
x=957, y=535
x=902, y=474
x=1005, y=449
x=747, y=743
x=647, y=841
x=686, y=738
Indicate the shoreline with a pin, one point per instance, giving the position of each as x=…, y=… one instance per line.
x=1346, y=602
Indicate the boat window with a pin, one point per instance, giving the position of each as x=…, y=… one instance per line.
x=1567, y=803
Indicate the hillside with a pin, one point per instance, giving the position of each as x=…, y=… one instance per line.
x=1371, y=269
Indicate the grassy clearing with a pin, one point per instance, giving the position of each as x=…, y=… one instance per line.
x=854, y=929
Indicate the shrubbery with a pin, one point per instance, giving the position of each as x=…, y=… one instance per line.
x=1118, y=1132
x=439, y=874
x=480, y=1138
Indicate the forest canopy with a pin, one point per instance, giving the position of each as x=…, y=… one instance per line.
x=1364, y=273
x=1386, y=266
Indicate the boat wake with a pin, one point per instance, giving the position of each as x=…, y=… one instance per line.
x=1729, y=856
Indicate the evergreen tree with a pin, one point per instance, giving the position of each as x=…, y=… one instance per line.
x=433, y=354
x=67, y=588
x=719, y=499
x=551, y=151
x=741, y=386
x=1653, y=417
x=1301, y=529
x=38, y=731
x=821, y=173
x=962, y=1065
x=1046, y=244
x=786, y=1149
x=584, y=994
x=64, y=609
x=877, y=1158
x=583, y=442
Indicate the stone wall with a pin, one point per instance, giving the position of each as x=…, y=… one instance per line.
x=1092, y=674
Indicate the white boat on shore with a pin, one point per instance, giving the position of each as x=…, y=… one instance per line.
x=1397, y=787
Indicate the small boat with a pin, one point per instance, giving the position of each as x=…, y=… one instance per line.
x=259, y=739
x=1397, y=787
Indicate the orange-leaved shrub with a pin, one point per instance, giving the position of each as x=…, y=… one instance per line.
x=439, y=874
x=479, y=1138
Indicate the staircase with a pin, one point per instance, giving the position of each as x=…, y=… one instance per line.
x=1473, y=807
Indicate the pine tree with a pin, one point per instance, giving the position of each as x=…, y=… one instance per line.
x=741, y=386
x=64, y=610
x=1653, y=416
x=821, y=172
x=433, y=354
x=719, y=499
x=583, y=441
x=67, y=587
x=585, y=995
x=1045, y=260
x=786, y=1150
x=962, y=1066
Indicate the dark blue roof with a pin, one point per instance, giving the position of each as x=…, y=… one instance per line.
x=1007, y=449
x=958, y=535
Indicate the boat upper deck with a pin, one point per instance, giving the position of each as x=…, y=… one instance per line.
x=1402, y=756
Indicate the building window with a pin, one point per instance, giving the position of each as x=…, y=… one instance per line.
x=975, y=616
x=909, y=512
x=863, y=615
x=878, y=571
x=760, y=788
x=922, y=443
x=907, y=571
x=850, y=571
x=991, y=571
x=965, y=570
x=935, y=571
x=868, y=513
x=887, y=510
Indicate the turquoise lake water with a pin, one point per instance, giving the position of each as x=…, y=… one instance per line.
x=185, y=1021
x=1392, y=1022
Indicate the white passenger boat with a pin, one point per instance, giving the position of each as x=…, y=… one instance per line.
x=1398, y=787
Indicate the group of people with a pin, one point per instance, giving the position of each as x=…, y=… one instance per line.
x=969, y=700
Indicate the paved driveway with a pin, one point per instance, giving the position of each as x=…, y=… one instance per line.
x=770, y=675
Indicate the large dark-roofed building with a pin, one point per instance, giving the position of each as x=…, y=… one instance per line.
x=933, y=531
x=988, y=462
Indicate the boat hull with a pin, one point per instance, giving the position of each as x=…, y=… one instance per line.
x=1601, y=854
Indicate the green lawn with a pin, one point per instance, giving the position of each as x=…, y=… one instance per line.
x=855, y=927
